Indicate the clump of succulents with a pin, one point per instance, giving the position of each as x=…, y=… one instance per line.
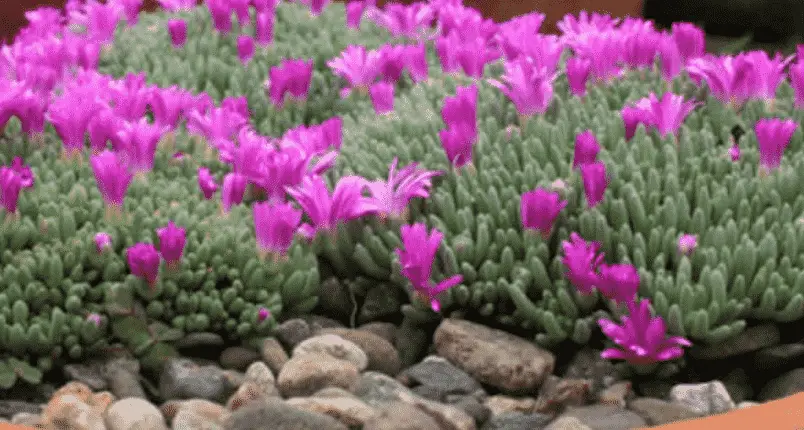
x=207, y=168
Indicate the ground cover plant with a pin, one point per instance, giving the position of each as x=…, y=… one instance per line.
x=213, y=167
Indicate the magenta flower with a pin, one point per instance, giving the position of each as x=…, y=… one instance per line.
x=689, y=39
x=245, y=48
x=10, y=187
x=578, y=70
x=264, y=28
x=671, y=58
x=730, y=79
x=177, y=28
x=640, y=47
x=460, y=115
x=263, y=314
x=586, y=23
x=70, y=115
x=632, y=116
x=130, y=96
x=594, y=182
x=23, y=171
x=206, y=182
x=102, y=241
x=586, y=149
x=275, y=224
x=797, y=82
x=529, y=87
x=131, y=8
x=137, y=144
x=603, y=51
x=410, y=21
x=382, y=97
x=582, y=261
x=234, y=189
x=326, y=210
x=392, y=62
x=618, y=282
x=171, y=243
x=391, y=197
x=642, y=339
x=101, y=20
x=143, y=262
x=515, y=34
x=539, y=209
x=112, y=176
x=291, y=76
x=416, y=57
x=102, y=128
x=94, y=319
x=474, y=54
x=221, y=13
x=417, y=262
x=448, y=49
x=773, y=136
x=734, y=152
x=169, y=105
x=177, y=5
x=687, y=243
x=768, y=73
x=669, y=112
x=354, y=13
x=358, y=66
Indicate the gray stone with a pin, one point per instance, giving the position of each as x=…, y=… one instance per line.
x=738, y=385
x=384, y=330
x=606, y=417
x=123, y=378
x=587, y=364
x=304, y=375
x=9, y=408
x=273, y=354
x=704, y=399
x=494, y=357
x=26, y=419
x=516, y=421
x=377, y=389
x=260, y=375
x=658, y=412
x=238, y=357
x=134, y=414
x=200, y=340
x=274, y=414
x=196, y=414
x=567, y=423
x=320, y=322
x=293, y=331
x=349, y=410
x=750, y=340
x=91, y=375
x=779, y=357
x=382, y=356
x=401, y=416
x=471, y=405
x=439, y=376
x=183, y=379
x=785, y=385
x=411, y=343
x=335, y=346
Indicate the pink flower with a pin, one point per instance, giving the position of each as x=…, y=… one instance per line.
x=539, y=209
x=669, y=112
x=172, y=240
x=112, y=176
x=618, y=282
x=178, y=32
x=10, y=187
x=528, y=86
x=143, y=261
x=797, y=82
x=460, y=115
x=354, y=13
x=687, y=243
x=417, y=261
x=206, y=182
x=773, y=136
x=264, y=27
x=263, y=314
x=326, y=210
x=391, y=197
x=290, y=76
x=689, y=39
x=578, y=70
x=582, y=261
x=358, y=66
x=103, y=241
x=275, y=224
x=586, y=149
x=382, y=97
x=594, y=182
x=234, y=189
x=734, y=152
x=245, y=48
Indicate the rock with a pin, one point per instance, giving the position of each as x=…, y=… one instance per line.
x=567, y=423
x=260, y=375
x=90, y=375
x=738, y=385
x=273, y=354
x=655, y=388
x=704, y=399
x=658, y=412
x=70, y=411
x=334, y=346
x=276, y=415
x=333, y=392
x=400, y=416
x=245, y=394
x=493, y=357
x=377, y=389
x=124, y=383
x=183, y=379
x=27, y=419
x=384, y=330
x=200, y=340
x=293, y=331
x=616, y=395
x=558, y=393
x=234, y=379
x=501, y=404
x=382, y=356
x=348, y=410
x=238, y=357
x=197, y=414
x=785, y=385
x=304, y=375
x=134, y=414
x=9, y=408
x=743, y=405
x=516, y=420
x=441, y=377
x=320, y=322
x=752, y=339
x=605, y=417
x=471, y=405
x=411, y=343
x=587, y=364
x=779, y=357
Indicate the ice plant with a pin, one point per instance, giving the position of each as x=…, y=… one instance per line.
x=177, y=28
x=10, y=187
x=172, y=240
x=206, y=183
x=594, y=182
x=391, y=197
x=131, y=8
x=102, y=241
x=796, y=73
x=669, y=112
x=24, y=172
x=290, y=76
x=382, y=97
x=773, y=136
x=358, y=66
x=416, y=59
x=460, y=115
x=586, y=149
x=671, y=58
x=264, y=27
x=143, y=262
x=70, y=115
x=632, y=116
x=137, y=143
x=641, y=339
x=326, y=210
x=529, y=86
x=245, y=48
x=689, y=39
x=221, y=13
x=734, y=152
x=113, y=178
x=392, y=62
x=263, y=314
x=274, y=225
x=416, y=260
x=539, y=209
x=618, y=282
x=687, y=243
x=354, y=13
x=767, y=73
x=581, y=259
x=94, y=319
x=578, y=70
x=234, y=189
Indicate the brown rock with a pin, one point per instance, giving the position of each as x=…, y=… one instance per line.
x=617, y=394
x=348, y=410
x=198, y=414
x=273, y=354
x=659, y=412
x=401, y=416
x=302, y=376
x=494, y=357
x=382, y=355
x=384, y=330
x=500, y=404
